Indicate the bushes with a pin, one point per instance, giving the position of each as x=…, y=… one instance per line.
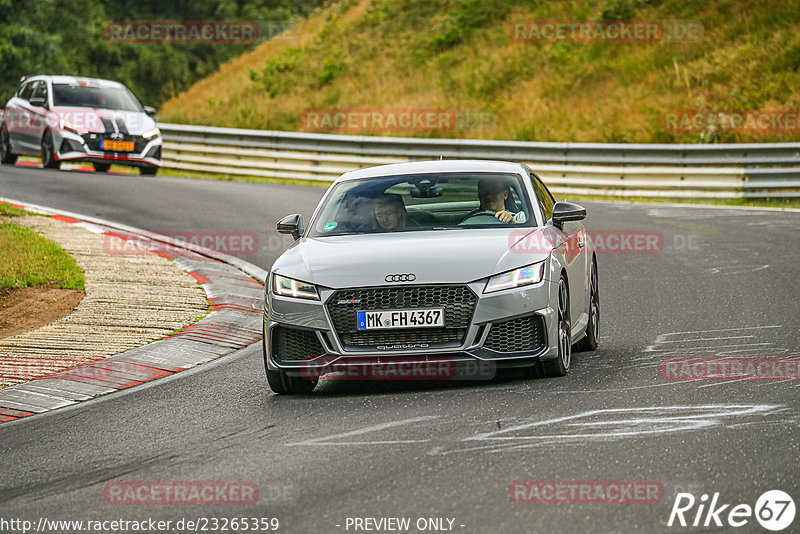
x=66, y=37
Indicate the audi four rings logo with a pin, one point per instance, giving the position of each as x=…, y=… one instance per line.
x=400, y=277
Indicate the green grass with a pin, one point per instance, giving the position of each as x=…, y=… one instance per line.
x=240, y=178
x=7, y=210
x=745, y=202
x=29, y=259
x=460, y=55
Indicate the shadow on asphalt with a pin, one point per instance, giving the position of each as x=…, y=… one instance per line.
x=348, y=388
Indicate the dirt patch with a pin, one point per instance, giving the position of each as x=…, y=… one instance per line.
x=23, y=309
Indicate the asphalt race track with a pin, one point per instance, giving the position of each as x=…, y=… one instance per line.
x=724, y=283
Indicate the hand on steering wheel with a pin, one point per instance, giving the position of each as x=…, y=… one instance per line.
x=489, y=216
x=505, y=216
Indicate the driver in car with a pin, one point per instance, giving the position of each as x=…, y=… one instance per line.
x=493, y=194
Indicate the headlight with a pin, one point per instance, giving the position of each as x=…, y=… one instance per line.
x=293, y=288
x=66, y=125
x=532, y=274
x=151, y=133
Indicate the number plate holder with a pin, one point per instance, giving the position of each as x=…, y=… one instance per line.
x=395, y=319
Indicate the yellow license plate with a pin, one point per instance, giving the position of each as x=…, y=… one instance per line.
x=122, y=146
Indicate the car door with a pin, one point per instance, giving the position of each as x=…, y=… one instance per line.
x=38, y=123
x=572, y=248
x=17, y=118
x=28, y=114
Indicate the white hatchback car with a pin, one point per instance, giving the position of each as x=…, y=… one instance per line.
x=64, y=118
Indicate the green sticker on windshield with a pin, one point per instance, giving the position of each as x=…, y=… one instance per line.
x=328, y=227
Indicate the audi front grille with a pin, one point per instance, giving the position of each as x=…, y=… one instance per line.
x=458, y=302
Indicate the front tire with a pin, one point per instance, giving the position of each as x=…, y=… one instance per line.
x=49, y=160
x=589, y=342
x=6, y=156
x=281, y=383
x=560, y=366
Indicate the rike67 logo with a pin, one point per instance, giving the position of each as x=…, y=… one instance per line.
x=774, y=510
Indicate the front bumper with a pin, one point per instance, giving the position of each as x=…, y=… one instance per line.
x=512, y=328
x=86, y=147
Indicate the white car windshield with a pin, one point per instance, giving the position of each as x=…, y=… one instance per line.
x=87, y=96
x=424, y=202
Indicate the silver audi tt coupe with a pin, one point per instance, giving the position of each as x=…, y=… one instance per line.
x=434, y=264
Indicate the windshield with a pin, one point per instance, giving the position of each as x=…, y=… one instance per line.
x=86, y=96
x=424, y=202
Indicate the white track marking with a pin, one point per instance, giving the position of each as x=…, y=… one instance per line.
x=661, y=415
x=326, y=440
x=631, y=388
x=723, y=382
x=663, y=420
x=704, y=339
x=715, y=350
x=663, y=339
x=736, y=269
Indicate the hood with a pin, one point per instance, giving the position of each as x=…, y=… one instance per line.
x=433, y=256
x=105, y=120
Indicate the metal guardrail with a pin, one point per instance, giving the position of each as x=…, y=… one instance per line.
x=641, y=170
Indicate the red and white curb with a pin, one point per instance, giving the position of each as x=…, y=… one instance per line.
x=66, y=166
x=235, y=298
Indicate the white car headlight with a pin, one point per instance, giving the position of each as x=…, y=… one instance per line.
x=532, y=274
x=66, y=125
x=151, y=133
x=288, y=287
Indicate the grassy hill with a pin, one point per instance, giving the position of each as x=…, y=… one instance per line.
x=459, y=55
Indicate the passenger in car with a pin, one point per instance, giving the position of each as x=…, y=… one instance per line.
x=390, y=213
x=493, y=194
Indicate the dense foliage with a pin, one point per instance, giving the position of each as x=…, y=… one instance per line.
x=66, y=37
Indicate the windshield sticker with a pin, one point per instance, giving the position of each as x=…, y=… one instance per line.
x=328, y=227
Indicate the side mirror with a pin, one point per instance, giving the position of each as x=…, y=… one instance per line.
x=150, y=111
x=567, y=211
x=291, y=224
x=38, y=101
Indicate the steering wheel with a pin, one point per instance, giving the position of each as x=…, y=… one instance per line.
x=482, y=217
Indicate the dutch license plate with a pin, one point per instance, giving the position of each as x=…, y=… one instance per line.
x=389, y=319
x=121, y=146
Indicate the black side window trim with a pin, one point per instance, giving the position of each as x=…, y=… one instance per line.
x=542, y=195
x=40, y=89
x=29, y=86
